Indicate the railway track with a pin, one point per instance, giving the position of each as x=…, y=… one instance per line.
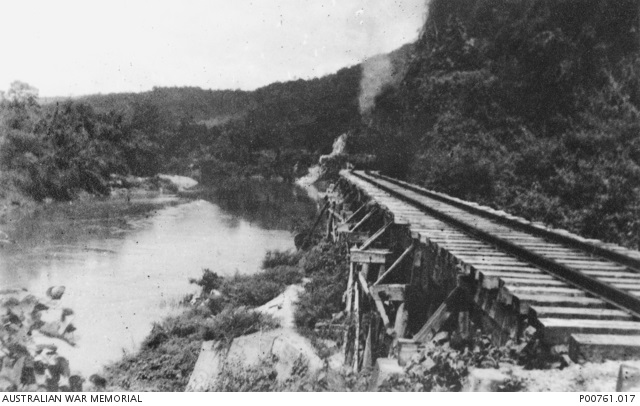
x=576, y=289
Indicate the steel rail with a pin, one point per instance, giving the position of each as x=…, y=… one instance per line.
x=614, y=296
x=551, y=235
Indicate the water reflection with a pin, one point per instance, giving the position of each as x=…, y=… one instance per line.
x=126, y=265
x=269, y=204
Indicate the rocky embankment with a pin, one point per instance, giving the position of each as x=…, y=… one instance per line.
x=282, y=349
x=37, y=334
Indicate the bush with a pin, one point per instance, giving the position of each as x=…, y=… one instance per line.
x=326, y=265
x=324, y=257
x=232, y=323
x=208, y=282
x=168, y=355
x=275, y=258
x=258, y=289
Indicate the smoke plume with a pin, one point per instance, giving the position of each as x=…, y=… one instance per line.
x=386, y=69
x=377, y=72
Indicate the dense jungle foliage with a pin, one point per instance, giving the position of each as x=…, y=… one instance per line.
x=527, y=105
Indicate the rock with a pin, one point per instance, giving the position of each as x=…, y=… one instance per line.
x=55, y=292
x=299, y=239
x=484, y=380
x=282, y=345
x=215, y=294
x=628, y=379
x=428, y=364
x=208, y=367
x=181, y=182
x=384, y=369
x=441, y=337
x=98, y=381
x=529, y=332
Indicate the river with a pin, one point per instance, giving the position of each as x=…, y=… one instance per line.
x=127, y=265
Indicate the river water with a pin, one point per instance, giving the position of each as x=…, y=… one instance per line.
x=127, y=265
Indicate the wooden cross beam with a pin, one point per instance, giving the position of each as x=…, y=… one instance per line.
x=393, y=292
x=396, y=264
x=306, y=240
x=351, y=217
x=457, y=299
x=372, y=256
x=364, y=219
x=375, y=236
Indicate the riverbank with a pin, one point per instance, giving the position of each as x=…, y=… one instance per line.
x=269, y=318
x=222, y=311
x=127, y=264
x=15, y=205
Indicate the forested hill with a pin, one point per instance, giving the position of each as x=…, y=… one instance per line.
x=192, y=103
x=527, y=105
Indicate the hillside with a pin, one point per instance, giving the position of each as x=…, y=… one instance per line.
x=178, y=103
x=530, y=106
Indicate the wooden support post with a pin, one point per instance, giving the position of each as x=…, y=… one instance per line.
x=375, y=236
x=382, y=312
x=347, y=344
x=381, y=271
x=463, y=324
x=365, y=270
x=350, y=288
x=356, y=346
x=335, y=214
x=399, y=326
x=363, y=282
x=367, y=358
x=329, y=224
x=395, y=264
x=402, y=320
x=417, y=263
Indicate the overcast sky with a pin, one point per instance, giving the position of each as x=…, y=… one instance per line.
x=66, y=47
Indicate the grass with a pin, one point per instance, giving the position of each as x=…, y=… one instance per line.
x=276, y=258
x=264, y=378
x=258, y=289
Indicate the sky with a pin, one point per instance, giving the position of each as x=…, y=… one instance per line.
x=75, y=47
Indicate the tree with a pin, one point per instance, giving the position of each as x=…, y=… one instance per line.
x=22, y=94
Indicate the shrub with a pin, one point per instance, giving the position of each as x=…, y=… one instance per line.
x=208, y=282
x=169, y=353
x=231, y=323
x=276, y=258
x=324, y=257
x=326, y=265
x=321, y=299
x=258, y=289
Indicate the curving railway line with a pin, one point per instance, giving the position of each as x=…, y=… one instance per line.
x=577, y=290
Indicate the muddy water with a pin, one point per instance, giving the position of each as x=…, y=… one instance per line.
x=126, y=265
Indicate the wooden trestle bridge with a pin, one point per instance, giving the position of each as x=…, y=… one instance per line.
x=422, y=263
